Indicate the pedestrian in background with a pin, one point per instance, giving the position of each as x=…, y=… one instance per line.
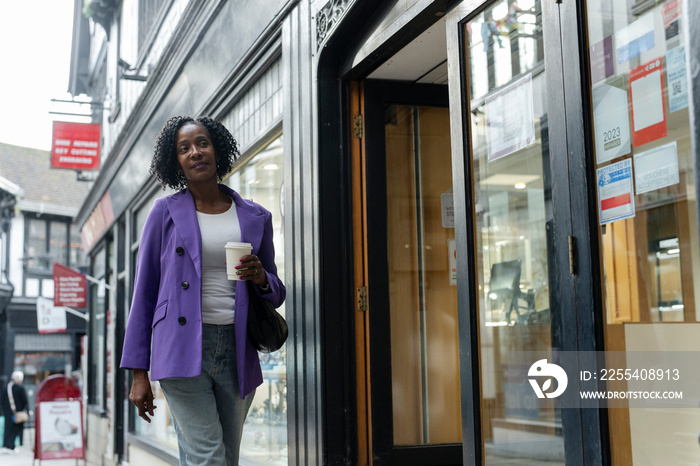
x=14, y=399
x=188, y=320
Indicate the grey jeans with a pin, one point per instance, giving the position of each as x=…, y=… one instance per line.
x=207, y=410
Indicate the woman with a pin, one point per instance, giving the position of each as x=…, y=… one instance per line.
x=18, y=402
x=187, y=320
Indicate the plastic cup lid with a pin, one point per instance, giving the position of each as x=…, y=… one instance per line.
x=233, y=244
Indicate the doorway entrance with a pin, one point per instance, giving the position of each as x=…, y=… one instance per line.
x=521, y=287
x=413, y=337
x=548, y=262
x=413, y=344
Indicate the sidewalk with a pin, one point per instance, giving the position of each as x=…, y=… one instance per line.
x=24, y=455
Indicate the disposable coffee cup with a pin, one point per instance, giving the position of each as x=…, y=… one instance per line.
x=234, y=252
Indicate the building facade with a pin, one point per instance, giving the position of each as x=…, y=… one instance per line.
x=8, y=197
x=38, y=208
x=454, y=195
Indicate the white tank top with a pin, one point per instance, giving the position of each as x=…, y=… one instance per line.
x=218, y=292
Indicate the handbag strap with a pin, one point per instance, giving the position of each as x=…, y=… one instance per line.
x=9, y=395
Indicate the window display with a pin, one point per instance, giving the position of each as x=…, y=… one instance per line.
x=647, y=207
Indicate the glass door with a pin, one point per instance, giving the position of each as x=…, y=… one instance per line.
x=526, y=303
x=412, y=307
x=510, y=157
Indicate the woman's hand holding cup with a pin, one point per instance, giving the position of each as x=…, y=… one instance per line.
x=251, y=268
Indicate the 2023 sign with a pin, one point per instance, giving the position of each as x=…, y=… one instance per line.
x=611, y=134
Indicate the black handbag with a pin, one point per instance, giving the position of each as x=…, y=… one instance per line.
x=267, y=329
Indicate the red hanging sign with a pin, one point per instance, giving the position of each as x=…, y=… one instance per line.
x=75, y=145
x=70, y=287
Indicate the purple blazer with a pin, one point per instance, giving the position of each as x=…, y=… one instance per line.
x=167, y=303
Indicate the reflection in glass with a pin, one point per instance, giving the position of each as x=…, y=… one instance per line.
x=511, y=188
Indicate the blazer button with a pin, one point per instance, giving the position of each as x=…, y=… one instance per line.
x=180, y=251
x=185, y=285
x=182, y=320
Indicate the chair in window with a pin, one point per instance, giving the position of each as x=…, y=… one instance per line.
x=504, y=287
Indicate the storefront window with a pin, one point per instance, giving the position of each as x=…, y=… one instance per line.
x=37, y=253
x=58, y=247
x=265, y=432
x=98, y=319
x=46, y=243
x=638, y=52
x=77, y=251
x=160, y=428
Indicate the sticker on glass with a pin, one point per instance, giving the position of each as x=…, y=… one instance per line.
x=648, y=111
x=452, y=260
x=656, y=168
x=611, y=120
x=615, y=192
x=677, y=79
x=602, y=63
x=671, y=14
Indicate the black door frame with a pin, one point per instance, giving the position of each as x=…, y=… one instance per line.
x=378, y=94
x=590, y=316
x=576, y=294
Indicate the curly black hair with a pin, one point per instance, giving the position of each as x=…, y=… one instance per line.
x=166, y=168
